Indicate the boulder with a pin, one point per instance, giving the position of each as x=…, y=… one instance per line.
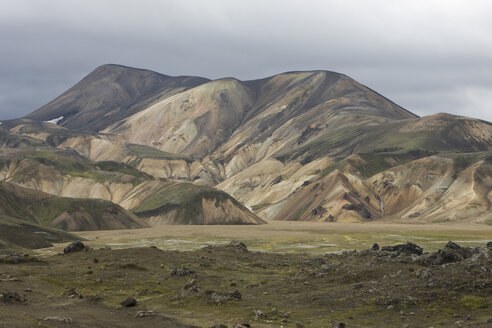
x=76, y=246
x=406, y=249
x=129, y=301
x=451, y=253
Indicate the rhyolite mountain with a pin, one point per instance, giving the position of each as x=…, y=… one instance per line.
x=109, y=94
x=314, y=146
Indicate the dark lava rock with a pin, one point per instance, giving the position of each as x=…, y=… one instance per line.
x=425, y=274
x=129, y=301
x=76, y=246
x=220, y=298
x=365, y=212
x=192, y=286
x=12, y=297
x=73, y=293
x=16, y=258
x=375, y=247
x=349, y=207
x=242, y=325
x=338, y=325
x=320, y=210
x=489, y=244
x=360, y=208
x=218, y=325
x=233, y=245
x=451, y=253
x=238, y=245
x=406, y=249
x=181, y=272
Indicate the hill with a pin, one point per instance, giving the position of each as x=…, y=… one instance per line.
x=69, y=214
x=88, y=193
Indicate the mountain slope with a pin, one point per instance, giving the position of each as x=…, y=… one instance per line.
x=186, y=203
x=66, y=174
x=430, y=189
x=226, y=114
x=70, y=214
x=109, y=94
x=16, y=233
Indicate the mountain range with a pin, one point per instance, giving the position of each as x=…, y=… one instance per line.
x=313, y=146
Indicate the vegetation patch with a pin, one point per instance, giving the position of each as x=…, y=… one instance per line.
x=186, y=198
x=473, y=301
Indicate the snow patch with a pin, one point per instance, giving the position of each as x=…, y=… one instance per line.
x=55, y=120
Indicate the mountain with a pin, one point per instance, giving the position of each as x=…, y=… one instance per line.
x=313, y=145
x=111, y=93
x=220, y=115
x=89, y=194
x=18, y=234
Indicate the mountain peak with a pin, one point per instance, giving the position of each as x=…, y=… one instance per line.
x=110, y=93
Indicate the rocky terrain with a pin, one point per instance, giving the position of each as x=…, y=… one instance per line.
x=228, y=285
x=311, y=146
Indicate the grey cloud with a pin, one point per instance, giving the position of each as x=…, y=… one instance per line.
x=428, y=56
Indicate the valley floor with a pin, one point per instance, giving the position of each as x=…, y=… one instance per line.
x=290, y=236
x=214, y=282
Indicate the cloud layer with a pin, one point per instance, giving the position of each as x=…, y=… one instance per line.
x=428, y=56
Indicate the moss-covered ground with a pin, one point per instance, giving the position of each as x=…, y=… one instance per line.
x=289, y=290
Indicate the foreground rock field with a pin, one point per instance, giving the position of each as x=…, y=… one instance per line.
x=231, y=286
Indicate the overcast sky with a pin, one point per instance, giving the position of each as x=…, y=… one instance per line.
x=427, y=56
